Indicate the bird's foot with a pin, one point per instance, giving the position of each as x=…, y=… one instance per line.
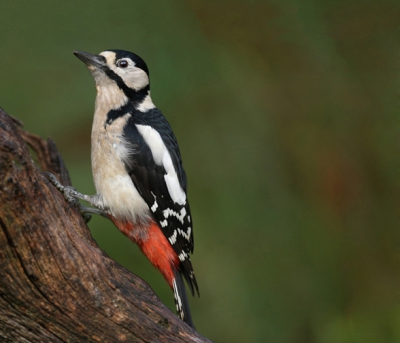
x=72, y=196
x=88, y=211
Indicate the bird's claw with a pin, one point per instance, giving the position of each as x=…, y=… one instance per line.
x=72, y=196
x=86, y=216
x=70, y=193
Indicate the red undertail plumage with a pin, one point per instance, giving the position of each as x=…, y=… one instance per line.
x=154, y=246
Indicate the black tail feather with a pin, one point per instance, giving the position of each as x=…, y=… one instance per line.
x=187, y=271
x=181, y=299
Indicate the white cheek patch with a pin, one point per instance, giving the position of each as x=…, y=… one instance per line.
x=162, y=157
x=132, y=76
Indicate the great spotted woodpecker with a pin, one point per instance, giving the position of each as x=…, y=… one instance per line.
x=137, y=170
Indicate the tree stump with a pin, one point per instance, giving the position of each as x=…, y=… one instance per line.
x=56, y=284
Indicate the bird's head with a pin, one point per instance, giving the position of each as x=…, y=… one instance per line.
x=120, y=68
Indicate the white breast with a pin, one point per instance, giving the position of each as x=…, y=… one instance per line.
x=111, y=179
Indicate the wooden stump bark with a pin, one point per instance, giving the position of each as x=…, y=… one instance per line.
x=56, y=284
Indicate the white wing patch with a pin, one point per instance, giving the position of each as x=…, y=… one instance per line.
x=162, y=157
x=154, y=141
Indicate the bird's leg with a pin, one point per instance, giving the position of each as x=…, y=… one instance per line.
x=71, y=195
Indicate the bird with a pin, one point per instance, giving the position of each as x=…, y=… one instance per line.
x=137, y=170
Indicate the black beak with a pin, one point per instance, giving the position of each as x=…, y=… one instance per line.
x=91, y=60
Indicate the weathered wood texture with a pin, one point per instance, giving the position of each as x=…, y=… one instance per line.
x=56, y=284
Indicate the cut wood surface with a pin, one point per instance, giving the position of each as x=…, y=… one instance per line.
x=56, y=284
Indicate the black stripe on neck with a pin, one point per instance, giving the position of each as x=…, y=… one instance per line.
x=137, y=96
x=118, y=113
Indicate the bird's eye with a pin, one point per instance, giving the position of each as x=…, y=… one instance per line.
x=122, y=64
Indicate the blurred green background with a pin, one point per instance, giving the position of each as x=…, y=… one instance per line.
x=287, y=117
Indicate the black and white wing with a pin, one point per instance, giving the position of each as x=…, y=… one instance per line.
x=156, y=170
